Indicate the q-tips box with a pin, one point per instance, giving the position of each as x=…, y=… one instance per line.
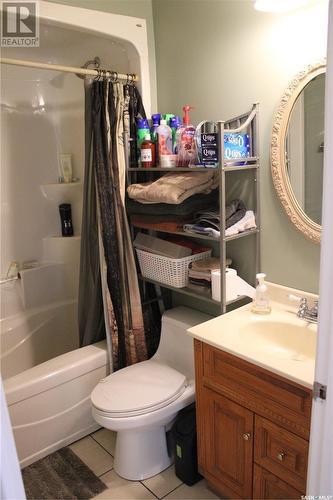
x=236, y=146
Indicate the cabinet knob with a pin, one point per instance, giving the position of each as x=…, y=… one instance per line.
x=247, y=436
x=281, y=456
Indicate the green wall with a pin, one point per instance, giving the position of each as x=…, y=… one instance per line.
x=134, y=8
x=221, y=56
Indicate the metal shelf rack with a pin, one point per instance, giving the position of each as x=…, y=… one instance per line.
x=245, y=123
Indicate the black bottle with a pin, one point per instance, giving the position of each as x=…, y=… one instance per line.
x=65, y=211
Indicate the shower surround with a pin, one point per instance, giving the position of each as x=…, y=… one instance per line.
x=47, y=377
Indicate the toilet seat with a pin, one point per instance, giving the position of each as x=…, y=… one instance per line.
x=138, y=389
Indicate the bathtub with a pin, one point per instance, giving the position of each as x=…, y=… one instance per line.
x=48, y=379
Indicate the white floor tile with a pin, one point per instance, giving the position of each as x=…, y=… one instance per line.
x=163, y=483
x=106, y=438
x=93, y=455
x=121, y=489
x=198, y=491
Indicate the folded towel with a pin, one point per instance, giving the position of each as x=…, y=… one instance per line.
x=208, y=231
x=208, y=222
x=247, y=222
x=185, y=209
x=202, y=275
x=209, y=264
x=199, y=282
x=174, y=188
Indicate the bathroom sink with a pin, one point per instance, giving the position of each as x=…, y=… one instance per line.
x=278, y=341
x=282, y=338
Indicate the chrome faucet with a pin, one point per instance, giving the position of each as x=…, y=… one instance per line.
x=304, y=311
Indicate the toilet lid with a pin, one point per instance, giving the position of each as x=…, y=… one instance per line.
x=146, y=386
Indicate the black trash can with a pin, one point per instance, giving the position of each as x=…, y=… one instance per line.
x=185, y=446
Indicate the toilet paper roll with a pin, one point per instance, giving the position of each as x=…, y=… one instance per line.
x=235, y=286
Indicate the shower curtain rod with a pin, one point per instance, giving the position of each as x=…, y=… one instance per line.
x=71, y=69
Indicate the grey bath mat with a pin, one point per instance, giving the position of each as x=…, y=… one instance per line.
x=61, y=475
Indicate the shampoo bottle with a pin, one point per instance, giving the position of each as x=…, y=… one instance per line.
x=164, y=143
x=186, y=149
x=155, y=123
x=142, y=130
x=65, y=211
x=261, y=303
x=147, y=153
x=174, y=124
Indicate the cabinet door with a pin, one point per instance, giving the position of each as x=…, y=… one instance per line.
x=281, y=452
x=268, y=487
x=228, y=439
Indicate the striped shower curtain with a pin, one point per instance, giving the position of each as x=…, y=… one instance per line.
x=113, y=109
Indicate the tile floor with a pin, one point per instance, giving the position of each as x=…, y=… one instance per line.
x=97, y=450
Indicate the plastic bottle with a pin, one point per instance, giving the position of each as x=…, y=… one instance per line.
x=167, y=117
x=186, y=149
x=261, y=302
x=156, y=121
x=142, y=130
x=164, y=143
x=147, y=152
x=174, y=124
x=65, y=211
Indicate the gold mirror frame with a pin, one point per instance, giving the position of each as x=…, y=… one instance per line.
x=280, y=176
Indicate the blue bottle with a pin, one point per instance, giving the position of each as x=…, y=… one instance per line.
x=156, y=121
x=142, y=130
x=174, y=124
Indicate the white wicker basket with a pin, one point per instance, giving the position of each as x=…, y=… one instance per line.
x=169, y=271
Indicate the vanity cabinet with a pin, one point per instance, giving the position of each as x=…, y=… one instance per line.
x=253, y=427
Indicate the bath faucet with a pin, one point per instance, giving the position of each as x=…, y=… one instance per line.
x=304, y=311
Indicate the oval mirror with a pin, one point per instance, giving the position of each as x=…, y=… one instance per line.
x=297, y=148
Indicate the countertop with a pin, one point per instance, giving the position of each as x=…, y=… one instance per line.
x=289, y=353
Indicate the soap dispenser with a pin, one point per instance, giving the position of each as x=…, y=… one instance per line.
x=185, y=141
x=261, y=302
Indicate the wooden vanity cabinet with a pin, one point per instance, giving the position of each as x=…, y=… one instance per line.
x=253, y=427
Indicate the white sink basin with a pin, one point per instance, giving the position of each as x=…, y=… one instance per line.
x=281, y=338
x=279, y=341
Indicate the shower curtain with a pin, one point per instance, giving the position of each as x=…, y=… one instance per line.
x=114, y=109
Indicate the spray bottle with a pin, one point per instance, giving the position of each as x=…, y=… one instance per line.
x=186, y=150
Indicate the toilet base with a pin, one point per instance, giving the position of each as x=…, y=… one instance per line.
x=141, y=453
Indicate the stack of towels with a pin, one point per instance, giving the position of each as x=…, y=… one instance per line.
x=174, y=188
x=170, y=202
x=237, y=219
x=200, y=271
x=185, y=201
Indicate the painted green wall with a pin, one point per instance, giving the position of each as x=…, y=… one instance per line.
x=221, y=56
x=134, y=8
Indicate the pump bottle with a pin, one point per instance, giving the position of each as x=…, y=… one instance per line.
x=185, y=136
x=261, y=302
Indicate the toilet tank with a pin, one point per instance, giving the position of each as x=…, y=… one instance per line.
x=176, y=347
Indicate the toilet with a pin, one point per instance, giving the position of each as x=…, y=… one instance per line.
x=140, y=402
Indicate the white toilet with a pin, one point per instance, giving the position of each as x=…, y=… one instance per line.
x=140, y=402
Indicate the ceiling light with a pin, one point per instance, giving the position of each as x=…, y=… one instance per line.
x=278, y=5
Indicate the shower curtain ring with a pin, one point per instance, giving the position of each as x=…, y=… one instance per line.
x=103, y=74
x=114, y=76
x=129, y=79
x=98, y=76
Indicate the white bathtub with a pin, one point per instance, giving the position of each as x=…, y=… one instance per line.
x=48, y=380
